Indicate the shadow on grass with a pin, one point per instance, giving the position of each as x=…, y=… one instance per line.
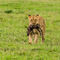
x=36, y=49
x=8, y=11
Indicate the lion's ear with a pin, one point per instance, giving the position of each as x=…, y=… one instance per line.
x=37, y=14
x=29, y=16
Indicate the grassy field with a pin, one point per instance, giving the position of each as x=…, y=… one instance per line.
x=13, y=26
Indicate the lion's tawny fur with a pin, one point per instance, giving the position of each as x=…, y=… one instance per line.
x=33, y=20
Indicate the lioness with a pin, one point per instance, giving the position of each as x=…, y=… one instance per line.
x=33, y=20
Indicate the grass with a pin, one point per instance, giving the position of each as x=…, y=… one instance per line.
x=13, y=26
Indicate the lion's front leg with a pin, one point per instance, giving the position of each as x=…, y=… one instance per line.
x=36, y=36
x=43, y=37
x=30, y=38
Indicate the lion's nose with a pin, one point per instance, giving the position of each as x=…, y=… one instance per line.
x=33, y=23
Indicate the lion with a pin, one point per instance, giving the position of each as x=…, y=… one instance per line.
x=36, y=27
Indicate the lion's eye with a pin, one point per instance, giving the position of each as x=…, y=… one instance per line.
x=35, y=19
x=31, y=20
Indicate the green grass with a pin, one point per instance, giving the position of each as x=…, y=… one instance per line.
x=13, y=26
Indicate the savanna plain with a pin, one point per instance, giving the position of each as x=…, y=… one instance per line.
x=13, y=26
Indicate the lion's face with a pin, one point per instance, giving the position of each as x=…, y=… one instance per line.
x=34, y=19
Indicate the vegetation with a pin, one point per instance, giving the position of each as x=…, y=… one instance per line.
x=13, y=26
